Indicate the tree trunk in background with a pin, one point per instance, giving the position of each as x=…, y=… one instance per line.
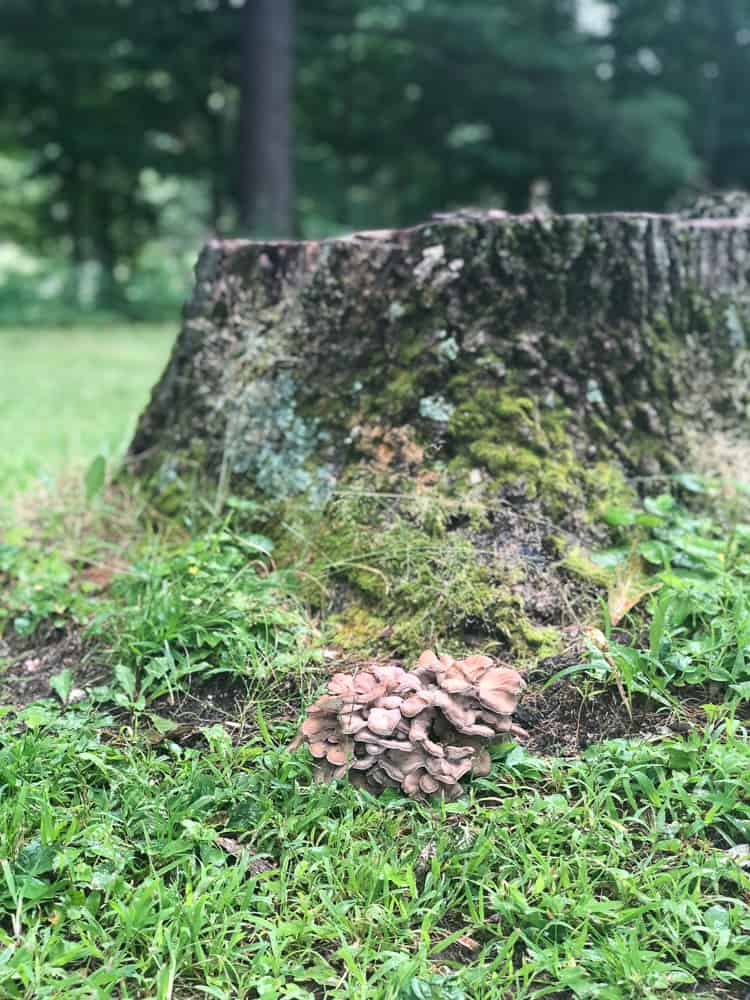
x=266, y=157
x=458, y=402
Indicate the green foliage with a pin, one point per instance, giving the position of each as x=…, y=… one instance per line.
x=37, y=587
x=46, y=289
x=95, y=477
x=214, y=606
x=700, y=615
x=602, y=876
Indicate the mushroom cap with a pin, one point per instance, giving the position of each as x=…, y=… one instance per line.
x=485, y=732
x=388, y=675
x=407, y=762
x=500, y=723
x=363, y=763
x=410, y=784
x=392, y=769
x=428, y=659
x=364, y=682
x=382, y=742
x=351, y=722
x=499, y=690
x=428, y=785
x=337, y=756
x=420, y=727
x=415, y=704
x=473, y=667
x=382, y=721
x=326, y=703
x=457, y=713
x=409, y=682
x=319, y=749
x=445, y=771
x=319, y=727
x=342, y=684
x=453, y=680
x=389, y=701
x=432, y=748
x=482, y=765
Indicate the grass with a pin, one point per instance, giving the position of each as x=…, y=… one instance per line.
x=67, y=395
x=145, y=857
x=606, y=877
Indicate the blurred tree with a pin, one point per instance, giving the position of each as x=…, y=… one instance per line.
x=106, y=100
x=695, y=58
x=125, y=120
x=267, y=69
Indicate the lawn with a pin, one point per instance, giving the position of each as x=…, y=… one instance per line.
x=159, y=840
x=67, y=395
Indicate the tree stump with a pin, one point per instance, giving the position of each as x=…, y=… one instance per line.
x=435, y=418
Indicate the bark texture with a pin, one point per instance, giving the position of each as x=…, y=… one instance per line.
x=529, y=367
x=632, y=320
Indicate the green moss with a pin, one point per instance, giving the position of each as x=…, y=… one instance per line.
x=402, y=389
x=544, y=640
x=576, y=560
x=518, y=442
x=506, y=458
x=401, y=588
x=356, y=629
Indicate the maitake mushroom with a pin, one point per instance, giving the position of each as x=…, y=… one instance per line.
x=419, y=730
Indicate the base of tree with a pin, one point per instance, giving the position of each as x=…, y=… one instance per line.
x=442, y=414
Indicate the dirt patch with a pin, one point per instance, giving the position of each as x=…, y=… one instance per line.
x=30, y=663
x=221, y=700
x=563, y=718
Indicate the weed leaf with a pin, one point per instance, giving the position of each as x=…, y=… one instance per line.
x=95, y=476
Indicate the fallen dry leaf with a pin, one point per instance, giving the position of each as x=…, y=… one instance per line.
x=256, y=865
x=468, y=943
x=628, y=589
x=233, y=847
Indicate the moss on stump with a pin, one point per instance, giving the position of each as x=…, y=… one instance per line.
x=435, y=418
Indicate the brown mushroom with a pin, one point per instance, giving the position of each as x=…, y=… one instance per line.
x=382, y=721
x=417, y=703
x=458, y=714
x=410, y=783
x=342, y=684
x=454, y=680
x=419, y=730
x=499, y=690
x=482, y=765
x=428, y=785
x=420, y=727
x=389, y=701
x=351, y=723
x=337, y=755
x=317, y=727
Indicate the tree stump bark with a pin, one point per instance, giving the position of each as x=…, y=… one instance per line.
x=443, y=407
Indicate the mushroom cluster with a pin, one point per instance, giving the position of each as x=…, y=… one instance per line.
x=420, y=730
